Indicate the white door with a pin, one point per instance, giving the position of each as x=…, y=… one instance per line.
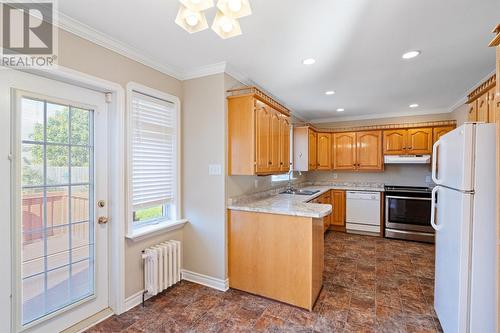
x=58, y=265
x=453, y=216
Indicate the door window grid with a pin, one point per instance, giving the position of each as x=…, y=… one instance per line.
x=74, y=201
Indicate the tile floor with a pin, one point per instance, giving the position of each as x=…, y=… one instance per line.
x=370, y=285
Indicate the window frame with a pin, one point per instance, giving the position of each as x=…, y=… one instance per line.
x=144, y=228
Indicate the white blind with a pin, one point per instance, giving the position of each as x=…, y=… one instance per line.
x=153, y=151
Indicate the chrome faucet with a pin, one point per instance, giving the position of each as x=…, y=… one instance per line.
x=290, y=188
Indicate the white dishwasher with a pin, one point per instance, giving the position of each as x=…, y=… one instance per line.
x=363, y=212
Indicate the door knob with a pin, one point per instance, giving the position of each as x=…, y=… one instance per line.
x=102, y=220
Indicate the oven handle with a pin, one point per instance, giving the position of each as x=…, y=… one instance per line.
x=433, y=209
x=410, y=198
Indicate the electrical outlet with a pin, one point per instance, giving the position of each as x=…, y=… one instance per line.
x=335, y=175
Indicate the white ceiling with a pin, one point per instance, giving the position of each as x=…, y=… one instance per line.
x=357, y=44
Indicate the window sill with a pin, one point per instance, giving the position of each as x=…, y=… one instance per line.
x=155, y=229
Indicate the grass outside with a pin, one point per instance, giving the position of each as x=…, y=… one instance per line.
x=148, y=213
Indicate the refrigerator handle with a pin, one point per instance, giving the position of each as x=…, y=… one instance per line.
x=433, y=209
x=435, y=179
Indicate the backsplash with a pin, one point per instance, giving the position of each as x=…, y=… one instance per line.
x=243, y=185
x=414, y=175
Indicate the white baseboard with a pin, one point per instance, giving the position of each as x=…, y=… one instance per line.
x=134, y=300
x=205, y=280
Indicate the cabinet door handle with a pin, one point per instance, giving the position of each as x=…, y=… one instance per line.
x=270, y=162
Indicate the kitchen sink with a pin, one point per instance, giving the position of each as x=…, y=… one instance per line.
x=300, y=192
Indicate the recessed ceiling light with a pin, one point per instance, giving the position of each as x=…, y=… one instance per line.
x=340, y=110
x=411, y=54
x=330, y=92
x=413, y=106
x=309, y=61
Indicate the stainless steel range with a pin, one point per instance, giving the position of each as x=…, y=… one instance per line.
x=408, y=213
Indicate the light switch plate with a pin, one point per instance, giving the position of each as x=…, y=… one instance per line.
x=215, y=170
x=335, y=176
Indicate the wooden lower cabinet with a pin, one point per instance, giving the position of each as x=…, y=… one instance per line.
x=276, y=256
x=338, y=205
x=324, y=199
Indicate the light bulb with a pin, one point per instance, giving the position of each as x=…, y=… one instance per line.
x=226, y=25
x=234, y=5
x=191, y=19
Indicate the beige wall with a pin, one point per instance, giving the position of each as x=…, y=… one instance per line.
x=387, y=121
x=204, y=143
x=461, y=114
x=83, y=56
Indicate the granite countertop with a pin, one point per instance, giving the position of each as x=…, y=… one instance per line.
x=296, y=205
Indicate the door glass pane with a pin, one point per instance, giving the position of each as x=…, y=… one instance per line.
x=57, y=267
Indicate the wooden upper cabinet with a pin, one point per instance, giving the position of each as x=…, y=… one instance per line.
x=369, y=150
x=256, y=141
x=338, y=206
x=395, y=142
x=438, y=132
x=324, y=151
x=344, y=151
x=492, y=101
x=419, y=141
x=482, y=108
x=472, y=115
x=262, y=137
x=313, y=141
x=274, y=142
x=284, y=144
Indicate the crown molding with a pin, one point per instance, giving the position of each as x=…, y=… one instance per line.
x=376, y=116
x=206, y=70
x=86, y=32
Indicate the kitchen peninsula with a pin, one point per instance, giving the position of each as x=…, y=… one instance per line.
x=276, y=243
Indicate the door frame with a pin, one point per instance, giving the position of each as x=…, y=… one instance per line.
x=115, y=97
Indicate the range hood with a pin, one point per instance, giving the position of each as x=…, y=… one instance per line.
x=407, y=159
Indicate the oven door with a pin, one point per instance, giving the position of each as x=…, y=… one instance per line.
x=408, y=213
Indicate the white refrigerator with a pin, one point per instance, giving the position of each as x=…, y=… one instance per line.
x=464, y=217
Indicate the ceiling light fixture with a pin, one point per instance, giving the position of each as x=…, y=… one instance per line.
x=309, y=61
x=340, y=110
x=191, y=21
x=411, y=54
x=235, y=8
x=330, y=92
x=413, y=106
x=197, y=5
x=225, y=26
